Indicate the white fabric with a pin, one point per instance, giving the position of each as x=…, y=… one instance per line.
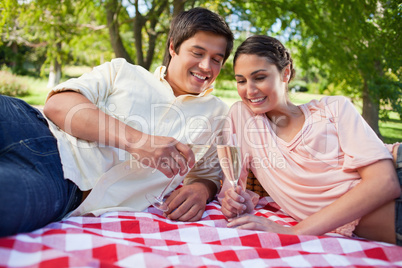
x=147, y=103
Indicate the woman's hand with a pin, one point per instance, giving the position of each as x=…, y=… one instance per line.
x=236, y=202
x=252, y=222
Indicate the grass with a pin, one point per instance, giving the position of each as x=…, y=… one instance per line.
x=391, y=130
x=37, y=90
x=37, y=86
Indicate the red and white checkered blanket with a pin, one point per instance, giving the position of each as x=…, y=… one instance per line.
x=147, y=239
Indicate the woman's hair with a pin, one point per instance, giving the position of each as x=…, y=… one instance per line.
x=187, y=23
x=270, y=48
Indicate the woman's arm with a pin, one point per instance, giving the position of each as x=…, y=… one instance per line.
x=378, y=187
x=76, y=115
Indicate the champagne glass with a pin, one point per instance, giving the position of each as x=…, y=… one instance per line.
x=158, y=201
x=230, y=161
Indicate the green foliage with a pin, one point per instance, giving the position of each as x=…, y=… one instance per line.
x=226, y=85
x=389, y=90
x=342, y=46
x=66, y=31
x=90, y=45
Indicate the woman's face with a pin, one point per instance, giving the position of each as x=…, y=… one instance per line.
x=259, y=83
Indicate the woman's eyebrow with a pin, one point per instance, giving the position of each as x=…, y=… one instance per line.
x=253, y=73
x=257, y=71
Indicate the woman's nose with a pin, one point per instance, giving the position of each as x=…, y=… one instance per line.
x=251, y=89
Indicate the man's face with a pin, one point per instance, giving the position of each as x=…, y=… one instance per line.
x=196, y=66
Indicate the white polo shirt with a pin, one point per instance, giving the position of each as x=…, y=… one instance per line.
x=147, y=103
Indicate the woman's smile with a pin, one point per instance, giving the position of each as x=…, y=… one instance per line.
x=257, y=101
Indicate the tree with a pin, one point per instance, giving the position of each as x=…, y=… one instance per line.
x=352, y=42
x=113, y=9
x=352, y=38
x=54, y=25
x=45, y=22
x=149, y=25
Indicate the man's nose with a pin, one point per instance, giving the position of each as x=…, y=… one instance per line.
x=205, y=64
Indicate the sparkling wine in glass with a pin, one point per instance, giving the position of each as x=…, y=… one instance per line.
x=230, y=161
x=158, y=201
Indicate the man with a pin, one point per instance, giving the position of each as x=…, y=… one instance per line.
x=120, y=132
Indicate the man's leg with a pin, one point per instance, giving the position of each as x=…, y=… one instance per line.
x=33, y=191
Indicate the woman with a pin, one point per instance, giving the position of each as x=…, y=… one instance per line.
x=319, y=161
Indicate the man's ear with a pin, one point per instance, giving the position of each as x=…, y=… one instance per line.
x=171, y=48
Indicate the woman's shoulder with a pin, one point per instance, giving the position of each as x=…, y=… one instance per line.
x=332, y=104
x=328, y=100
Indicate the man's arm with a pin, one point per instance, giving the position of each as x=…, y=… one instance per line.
x=76, y=115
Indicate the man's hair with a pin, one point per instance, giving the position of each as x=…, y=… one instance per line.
x=187, y=23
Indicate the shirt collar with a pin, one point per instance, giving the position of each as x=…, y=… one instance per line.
x=160, y=74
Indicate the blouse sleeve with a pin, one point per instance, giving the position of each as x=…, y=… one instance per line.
x=360, y=144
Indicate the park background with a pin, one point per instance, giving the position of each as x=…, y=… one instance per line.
x=340, y=47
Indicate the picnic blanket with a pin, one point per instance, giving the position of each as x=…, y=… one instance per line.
x=147, y=239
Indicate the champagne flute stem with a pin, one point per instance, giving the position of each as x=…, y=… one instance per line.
x=162, y=194
x=235, y=186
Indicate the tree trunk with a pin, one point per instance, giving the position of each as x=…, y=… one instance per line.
x=112, y=10
x=178, y=6
x=151, y=20
x=139, y=23
x=54, y=74
x=151, y=51
x=371, y=108
x=55, y=70
x=153, y=34
x=14, y=49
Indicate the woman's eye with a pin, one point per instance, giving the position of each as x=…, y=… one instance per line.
x=260, y=78
x=217, y=60
x=240, y=81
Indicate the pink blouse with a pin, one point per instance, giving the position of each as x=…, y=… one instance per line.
x=318, y=165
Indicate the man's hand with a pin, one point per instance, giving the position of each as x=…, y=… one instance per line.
x=188, y=202
x=163, y=153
